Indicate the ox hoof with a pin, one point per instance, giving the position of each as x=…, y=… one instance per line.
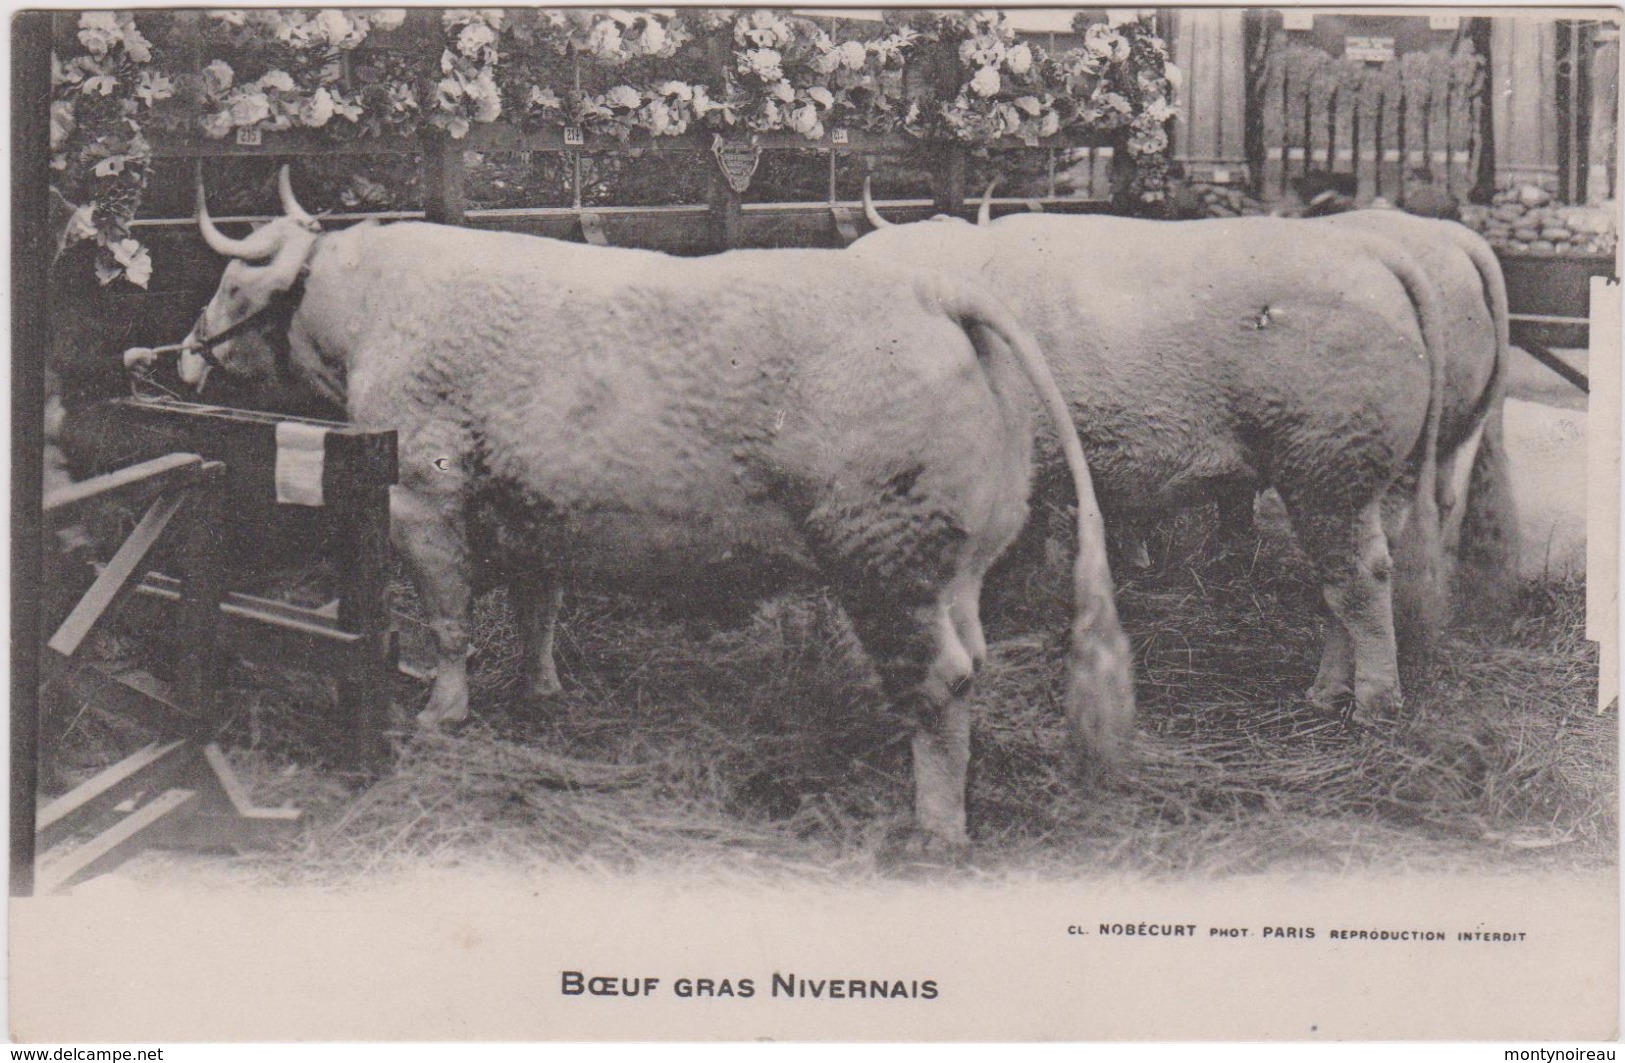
x=914, y=849
x=1329, y=699
x=1376, y=709
x=438, y=716
x=546, y=688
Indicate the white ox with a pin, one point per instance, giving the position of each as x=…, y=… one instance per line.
x=646, y=423
x=1204, y=357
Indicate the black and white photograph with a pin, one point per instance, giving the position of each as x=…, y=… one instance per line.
x=820, y=524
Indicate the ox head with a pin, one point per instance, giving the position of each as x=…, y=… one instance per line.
x=241, y=329
x=941, y=242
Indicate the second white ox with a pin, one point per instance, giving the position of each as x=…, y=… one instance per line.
x=1205, y=357
x=660, y=425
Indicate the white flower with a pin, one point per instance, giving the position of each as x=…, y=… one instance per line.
x=658, y=117
x=1019, y=59
x=853, y=55
x=280, y=80
x=332, y=25
x=1049, y=125
x=81, y=224
x=101, y=84
x=98, y=30
x=135, y=260
x=604, y=39
x=821, y=96
x=316, y=111
x=476, y=36
x=450, y=90
x=982, y=51
x=1029, y=104
x=153, y=87
x=804, y=120
x=1159, y=111
x=216, y=125
x=1175, y=76
x=487, y=97
x=541, y=97
x=62, y=123
x=763, y=62
x=386, y=18
x=217, y=77
x=679, y=89
x=250, y=108
x=653, y=38
x=782, y=91
x=986, y=82
x=827, y=62
x=624, y=96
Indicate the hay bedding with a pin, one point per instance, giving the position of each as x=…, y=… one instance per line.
x=768, y=748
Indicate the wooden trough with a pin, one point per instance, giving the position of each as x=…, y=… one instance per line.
x=216, y=476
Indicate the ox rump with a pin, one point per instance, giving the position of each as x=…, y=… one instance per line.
x=1204, y=357
x=641, y=422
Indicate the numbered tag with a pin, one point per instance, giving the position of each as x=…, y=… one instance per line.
x=840, y=136
x=249, y=138
x=574, y=137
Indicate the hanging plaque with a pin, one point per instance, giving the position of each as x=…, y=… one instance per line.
x=738, y=159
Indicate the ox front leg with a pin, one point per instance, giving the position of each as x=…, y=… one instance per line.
x=536, y=607
x=429, y=533
x=1352, y=555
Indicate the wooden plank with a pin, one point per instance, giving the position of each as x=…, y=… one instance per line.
x=150, y=770
x=115, y=845
x=169, y=471
x=114, y=579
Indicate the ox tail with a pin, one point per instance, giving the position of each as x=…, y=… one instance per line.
x=1488, y=546
x=1100, y=673
x=1421, y=586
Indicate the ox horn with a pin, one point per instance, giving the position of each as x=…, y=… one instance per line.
x=256, y=247
x=984, y=213
x=290, y=205
x=869, y=210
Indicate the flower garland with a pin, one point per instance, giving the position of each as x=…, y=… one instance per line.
x=98, y=100
x=606, y=72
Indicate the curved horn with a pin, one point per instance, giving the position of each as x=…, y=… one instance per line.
x=290, y=205
x=869, y=210
x=257, y=246
x=984, y=213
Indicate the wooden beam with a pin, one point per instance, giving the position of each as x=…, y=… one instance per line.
x=31, y=251
x=169, y=471
x=115, y=845
x=115, y=578
x=150, y=770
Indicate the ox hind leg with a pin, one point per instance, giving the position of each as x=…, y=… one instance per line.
x=429, y=534
x=926, y=669
x=536, y=603
x=1351, y=554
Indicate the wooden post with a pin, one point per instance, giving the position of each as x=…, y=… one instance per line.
x=950, y=185
x=1602, y=170
x=443, y=198
x=726, y=214
x=1209, y=47
x=31, y=247
x=202, y=659
x=363, y=608
x=1524, y=88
